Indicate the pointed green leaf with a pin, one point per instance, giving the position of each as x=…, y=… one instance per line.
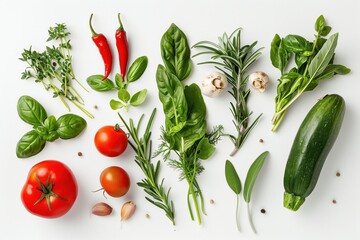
x=232, y=178
x=252, y=175
x=137, y=69
x=124, y=95
x=116, y=104
x=138, y=98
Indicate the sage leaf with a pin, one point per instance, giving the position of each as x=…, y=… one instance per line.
x=124, y=95
x=232, y=177
x=97, y=83
x=138, y=98
x=116, y=104
x=29, y=145
x=175, y=52
x=323, y=57
x=70, y=126
x=137, y=69
x=31, y=111
x=252, y=174
x=332, y=70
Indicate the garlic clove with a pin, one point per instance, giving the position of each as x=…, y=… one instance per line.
x=101, y=209
x=127, y=210
x=259, y=81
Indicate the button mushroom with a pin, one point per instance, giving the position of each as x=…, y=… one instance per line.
x=213, y=84
x=259, y=81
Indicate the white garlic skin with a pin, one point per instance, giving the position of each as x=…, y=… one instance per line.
x=259, y=81
x=214, y=84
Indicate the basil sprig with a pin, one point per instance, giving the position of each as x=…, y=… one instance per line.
x=314, y=62
x=45, y=128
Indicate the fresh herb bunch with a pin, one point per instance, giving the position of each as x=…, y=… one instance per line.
x=233, y=59
x=45, y=128
x=150, y=184
x=125, y=100
x=53, y=68
x=184, y=133
x=314, y=62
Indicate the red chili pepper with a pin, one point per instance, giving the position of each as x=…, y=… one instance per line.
x=122, y=47
x=104, y=49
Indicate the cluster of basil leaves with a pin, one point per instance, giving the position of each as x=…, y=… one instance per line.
x=136, y=70
x=314, y=62
x=185, y=114
x=45, y=128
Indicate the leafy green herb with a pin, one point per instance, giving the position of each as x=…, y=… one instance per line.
x=53, y=68
x=251, y=176
x=185, y=112
x=233, y=59
x=45, y=128
x=314, y=63
x=233, y=180
x=124, y=100
x=142, y=146
x=175, y=52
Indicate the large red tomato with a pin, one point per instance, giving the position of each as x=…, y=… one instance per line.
x=111, y=141
x=50, y=189
x=115, y=181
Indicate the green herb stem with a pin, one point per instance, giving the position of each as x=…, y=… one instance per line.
x=236, y=213
x=250, y=218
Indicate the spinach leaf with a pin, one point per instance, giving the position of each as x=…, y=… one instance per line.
x=296, y=44
x=171, y=94
x=175, y=52
x=138, y=98
x=323, y=57
x=31, y=111
x=29, y=145
x=137, y=68
x=204, y=149
x=97, y=83
x=70, y=125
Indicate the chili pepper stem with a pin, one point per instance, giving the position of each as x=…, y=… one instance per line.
x=121, y=27
x=91, y=27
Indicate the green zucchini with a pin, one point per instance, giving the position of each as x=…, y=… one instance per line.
x=312, y=143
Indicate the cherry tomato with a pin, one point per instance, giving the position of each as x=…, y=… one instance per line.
x=111, y=141
x=115, y=181
x=50, y=189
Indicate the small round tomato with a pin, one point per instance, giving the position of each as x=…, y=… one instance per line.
x=111, y=141
x=115, y=181
x=50, y=189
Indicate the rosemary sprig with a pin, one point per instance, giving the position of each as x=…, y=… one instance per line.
x=53, y=68
x=233, y=59
x=150, y=184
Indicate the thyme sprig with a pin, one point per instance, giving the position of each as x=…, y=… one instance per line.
x=150, y=184
x=53, y=68
x=233, y=59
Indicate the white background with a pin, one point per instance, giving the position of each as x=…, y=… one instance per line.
x=25, y=23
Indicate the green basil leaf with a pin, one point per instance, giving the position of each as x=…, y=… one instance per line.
x=97, y=83
x=296, y=44
x=320, y=23
x=29, y=145
x=119, y=81
x=171, y=95
x=31, y=111
x=232, y=177
x=323, y=57
x=325, y=31
x=175, y=52
x=124, y=95
x=50, y=123
x=70, y=125
x=300, y=60
x=278, y=54
x=204, y=149
x=115, y=105
x=252, y=174
x=138, y=98
x=137, y=69
x=195, y=126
